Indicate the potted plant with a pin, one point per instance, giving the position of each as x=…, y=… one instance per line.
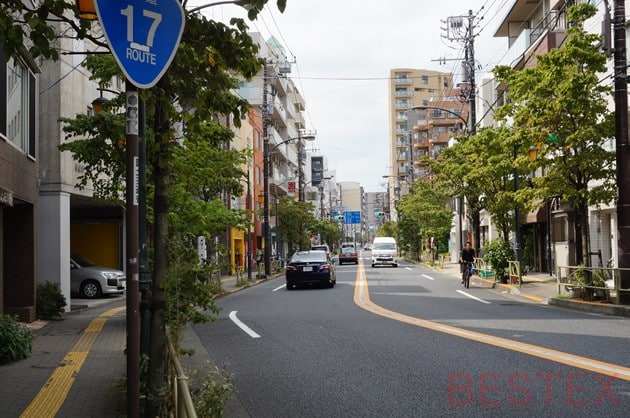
x=575, y=282
x=498, y=253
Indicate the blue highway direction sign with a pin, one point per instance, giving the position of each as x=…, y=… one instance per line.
x=352, y=217
x=143, y=36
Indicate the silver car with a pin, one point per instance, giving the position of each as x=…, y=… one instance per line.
x=90, y=281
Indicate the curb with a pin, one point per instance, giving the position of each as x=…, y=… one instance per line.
x=594, y=307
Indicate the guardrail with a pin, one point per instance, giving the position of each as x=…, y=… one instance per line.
x=182, y=400
x=591, y=283
x=514, y=272
x=483, y=269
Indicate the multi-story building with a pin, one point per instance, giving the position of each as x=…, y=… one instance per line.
x=534, y=28
x=443, y=118
x=19, y=164
x=374, y=215
x=351, y=200
x=279, y=104
x=409, y=88
x=70, y=218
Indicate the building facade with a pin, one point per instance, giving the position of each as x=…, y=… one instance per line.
x=19, y=201
x=408, y=88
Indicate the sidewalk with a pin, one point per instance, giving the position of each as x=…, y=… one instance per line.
x=543, y=288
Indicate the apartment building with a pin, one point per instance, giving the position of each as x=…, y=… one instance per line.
x=530, y=29
x=279, y=106
x=409, y=88
x=19, y=201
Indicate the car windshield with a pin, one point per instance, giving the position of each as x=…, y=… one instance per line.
x=307, y=256
x=384, y=246
x=82, y=261
x=320, y=247
x=347, y=250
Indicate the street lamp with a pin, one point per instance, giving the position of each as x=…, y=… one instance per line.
x=471, y=128
x=219, y=3
x=267, y=151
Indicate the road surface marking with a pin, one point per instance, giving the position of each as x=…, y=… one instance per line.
x=242, y=326
x=428, y=277
x=362, y=299
x=52, y=396
x=472, y=297
x=279, y=287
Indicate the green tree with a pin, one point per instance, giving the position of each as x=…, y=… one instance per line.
x=196, y=88
x=295, y=223
x=452, y=175
x=328, y=231
x=562, y=96
x=388, y=229
x=423, y=214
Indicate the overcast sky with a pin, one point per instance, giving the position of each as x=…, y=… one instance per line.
x=344, y=50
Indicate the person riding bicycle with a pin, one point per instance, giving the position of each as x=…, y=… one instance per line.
x=467, y=258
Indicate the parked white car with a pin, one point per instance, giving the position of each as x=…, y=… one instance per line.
x=90, y=281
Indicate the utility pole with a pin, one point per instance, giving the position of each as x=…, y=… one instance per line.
x=457, y=30
x=300, y=156
x=622, y=152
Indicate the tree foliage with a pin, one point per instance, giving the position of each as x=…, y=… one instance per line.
x=423, y=214
x=295, y=223
x=211, y=58
x=328, y=232
x=562, y=96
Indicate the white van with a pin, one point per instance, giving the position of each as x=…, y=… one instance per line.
x=384, y=252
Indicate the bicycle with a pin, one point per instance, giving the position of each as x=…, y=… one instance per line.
x=466, y=274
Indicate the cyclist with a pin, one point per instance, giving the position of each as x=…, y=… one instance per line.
x=466, y=259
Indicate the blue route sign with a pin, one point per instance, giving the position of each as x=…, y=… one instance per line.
x=352, y=217
x=143, y=36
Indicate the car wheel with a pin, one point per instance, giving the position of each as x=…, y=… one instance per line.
x=331, y=284
x=372, y=265
x=290, y=286
x=395, y=265
x=90, y=289
x=356, y=262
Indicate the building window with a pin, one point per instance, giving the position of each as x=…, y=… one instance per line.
x=424, y=79
x=17, y=125
x=559, y=229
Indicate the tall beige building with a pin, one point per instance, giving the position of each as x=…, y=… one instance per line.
x=408, y=87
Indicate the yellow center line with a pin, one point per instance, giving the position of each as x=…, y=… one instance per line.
x=362, y=299
x=52, y=396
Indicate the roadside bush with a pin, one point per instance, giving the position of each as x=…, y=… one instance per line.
x=498, y=253
x=211, y=388
x=50, y=301
x=16, y=341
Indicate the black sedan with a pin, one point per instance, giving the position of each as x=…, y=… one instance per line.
x=310, y=267
x=348, y=255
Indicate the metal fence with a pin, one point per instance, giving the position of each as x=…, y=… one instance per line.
x=591, y=283
x=182, y=400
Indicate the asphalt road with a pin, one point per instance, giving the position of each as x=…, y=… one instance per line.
x=410, y=342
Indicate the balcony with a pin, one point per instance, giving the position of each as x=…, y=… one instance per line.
x=422, y=144
x=440, y=138
x=403, y=80
x=402, y=93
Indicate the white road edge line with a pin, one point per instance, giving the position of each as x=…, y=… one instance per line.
x=279, y=287
x=428, y=277
x=473, y=297
x=408, y=268
x=242, y=326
